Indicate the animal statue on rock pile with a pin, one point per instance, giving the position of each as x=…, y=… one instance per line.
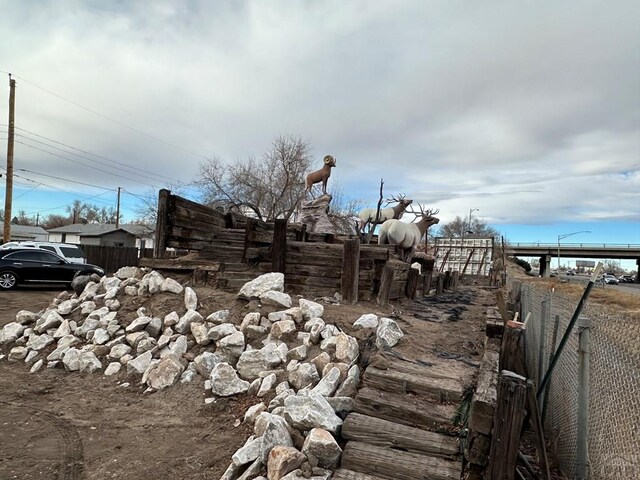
x=407, y=236
x=321, y=175
x=368, y=215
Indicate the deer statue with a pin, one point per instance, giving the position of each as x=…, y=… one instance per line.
x=321, y=175
x=406, y=236
x=368, y=215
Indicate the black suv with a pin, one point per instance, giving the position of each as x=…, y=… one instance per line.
x=32, y=265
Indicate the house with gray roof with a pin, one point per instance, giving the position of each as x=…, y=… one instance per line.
x=21, y=233
x=126, y=235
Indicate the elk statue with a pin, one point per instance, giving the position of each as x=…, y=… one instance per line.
x=368, y=215
x=406, y=236
x=321, y=175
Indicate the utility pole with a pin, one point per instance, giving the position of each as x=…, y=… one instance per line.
x=37, y=219
x=8, y=199
x=118, y=210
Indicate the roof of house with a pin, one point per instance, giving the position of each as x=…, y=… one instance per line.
x=28, y=229
x=98, y=229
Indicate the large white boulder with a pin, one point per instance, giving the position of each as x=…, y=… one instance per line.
x=225, y=381
x=165, y=373
x=321, y=445
x=259, y=286
x=11, y=332
x=308, y=410
x=310, y=309
x=388, y=333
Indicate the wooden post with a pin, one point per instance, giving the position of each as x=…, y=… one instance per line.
x=412, y=283
x=279, y=246
x=512, y=354
x=385, y=285
x=248, y=229
x=455, y=278
x=507, y=426
x=162, y=224
x=481, y=266
x=426, y=285
x=447, y=280
x=440, y=284
x=468, y=260
x=350, y=270
x=536, y=424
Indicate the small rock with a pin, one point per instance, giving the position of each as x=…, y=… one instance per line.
x=225, y=381
x=388, y=333
x=282, y=460
x=190, y=299
x=112, y=368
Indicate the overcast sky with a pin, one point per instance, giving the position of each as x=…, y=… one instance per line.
x=528, y=111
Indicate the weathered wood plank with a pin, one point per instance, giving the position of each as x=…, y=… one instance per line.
x=184, y=216
x=409, y=410
x=396, y=464
x=507, y=426
x=484, y=400
x=376, y=431
x=192, y=206
x=166, y=264
x=313, y=281
x=444, y=390
x=343, y=474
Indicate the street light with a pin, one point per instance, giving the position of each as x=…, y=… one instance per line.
x=471, y=210
x=560, y=237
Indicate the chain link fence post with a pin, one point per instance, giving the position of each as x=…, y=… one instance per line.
x=582, y=447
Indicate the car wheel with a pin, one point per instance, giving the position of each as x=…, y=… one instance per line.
x=8, y=279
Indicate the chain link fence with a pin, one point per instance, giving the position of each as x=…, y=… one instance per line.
x=614, y=399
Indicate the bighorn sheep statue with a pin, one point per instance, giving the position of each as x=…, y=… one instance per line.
x=406, y=236
x=368, y=215
x=321, y=175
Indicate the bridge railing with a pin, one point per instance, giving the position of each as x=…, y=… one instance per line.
x=612, y=246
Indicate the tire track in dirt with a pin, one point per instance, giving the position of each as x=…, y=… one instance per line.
x=71, y=452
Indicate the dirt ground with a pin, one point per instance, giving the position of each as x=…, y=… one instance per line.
x=58, y=425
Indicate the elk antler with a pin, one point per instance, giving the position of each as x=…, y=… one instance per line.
x=425, y=213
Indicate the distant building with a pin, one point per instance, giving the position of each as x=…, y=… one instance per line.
x=126, y=235
x=22, y=233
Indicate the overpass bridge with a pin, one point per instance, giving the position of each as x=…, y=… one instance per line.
x=546, y=251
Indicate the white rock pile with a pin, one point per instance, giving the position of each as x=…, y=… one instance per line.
x=305, y=366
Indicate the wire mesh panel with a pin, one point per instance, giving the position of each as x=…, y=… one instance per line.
x=614, y=400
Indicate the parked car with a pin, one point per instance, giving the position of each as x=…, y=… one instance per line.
x=626, y=279
x=71, y=252
x=34, y=265
x=610, y=279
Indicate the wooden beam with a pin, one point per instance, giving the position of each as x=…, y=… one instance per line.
x=279, y=246
x=396, y=464
x=385, y=285
x=440, y=389
x=410, y=410
x=160, y=245
x=412, y=283
x=350, y=270
x=375, y=431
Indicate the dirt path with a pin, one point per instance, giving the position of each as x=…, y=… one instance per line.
x=58, y=425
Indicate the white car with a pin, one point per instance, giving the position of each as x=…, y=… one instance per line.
x=70, y=252
x=610, y=279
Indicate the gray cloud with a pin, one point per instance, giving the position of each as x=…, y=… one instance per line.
x=529, y=112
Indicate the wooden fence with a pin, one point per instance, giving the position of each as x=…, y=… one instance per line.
x=111, y=258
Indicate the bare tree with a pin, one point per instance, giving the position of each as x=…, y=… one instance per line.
x=271, y=187
x=460, y=227
x=343, y=212
x=147, y=207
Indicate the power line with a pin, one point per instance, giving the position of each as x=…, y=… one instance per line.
x=75, y=154
x=117, y=122
x=92, y=154
x=83, y=164
x=64, y=179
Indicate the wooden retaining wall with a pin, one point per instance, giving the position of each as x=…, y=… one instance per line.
x=318, y=263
